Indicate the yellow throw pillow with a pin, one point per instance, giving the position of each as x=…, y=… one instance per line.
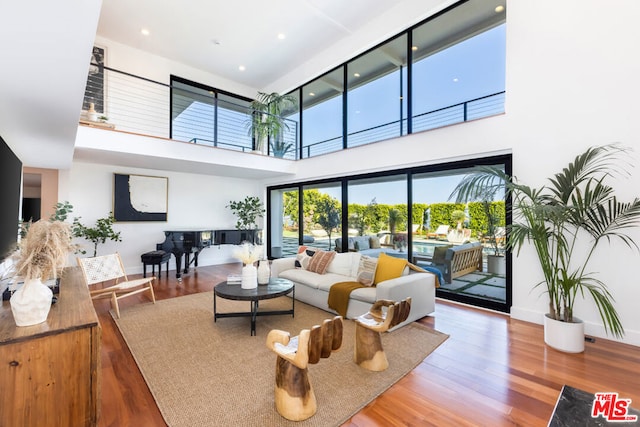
x=389, y=267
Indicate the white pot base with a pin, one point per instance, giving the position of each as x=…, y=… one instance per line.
x=563, y=336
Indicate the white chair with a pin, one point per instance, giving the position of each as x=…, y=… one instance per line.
x=108, y=268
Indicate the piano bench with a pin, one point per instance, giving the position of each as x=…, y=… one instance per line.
x=154, y=258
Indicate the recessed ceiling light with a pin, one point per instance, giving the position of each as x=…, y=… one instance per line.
x=281, y=36
x=241, y=68
x=414, y=48
x=499, y=9
x=356, y=74
x=312, y=94
x=145, y=32
x=455, y=80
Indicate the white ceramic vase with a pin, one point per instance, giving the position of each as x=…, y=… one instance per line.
x=264, y=272
x=249, y=277
x=31, y=303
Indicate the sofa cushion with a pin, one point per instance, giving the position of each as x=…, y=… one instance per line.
x=367, y=295
x=362, y=243
x=303, y=258
x=374, y=242
x=389, y=267
x=313, y=280
x=367, y=270
x=342, y=264
x=439, y=253
x=320, y=261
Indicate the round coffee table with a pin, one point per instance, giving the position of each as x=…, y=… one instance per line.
x=276, y=288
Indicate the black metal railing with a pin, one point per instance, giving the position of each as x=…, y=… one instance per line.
x=139, y=105
x=484, y=106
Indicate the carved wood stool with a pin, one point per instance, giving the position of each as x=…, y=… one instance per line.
x=368, y=351
x=294, y=396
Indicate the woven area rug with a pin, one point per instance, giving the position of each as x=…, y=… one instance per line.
x=205, y=373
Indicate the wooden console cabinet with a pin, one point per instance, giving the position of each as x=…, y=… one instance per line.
x=50, y=373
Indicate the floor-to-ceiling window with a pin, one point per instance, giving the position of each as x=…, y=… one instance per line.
x=284, y=221
x=378, y=208
x=322, y=214
x=458, y=71
x=376, y=84
x=322, y=114
x=206, y=116
x=448, y=69
x=408, y=213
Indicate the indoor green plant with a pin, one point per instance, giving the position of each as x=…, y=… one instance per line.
x=565, y=220
x=267, y=122
x=279, y=147
x=102, y=231
x=247, y=211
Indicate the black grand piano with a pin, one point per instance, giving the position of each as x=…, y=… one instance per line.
x=185, y=242
x=190, y=242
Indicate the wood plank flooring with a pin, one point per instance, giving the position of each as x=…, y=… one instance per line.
x=492, y=371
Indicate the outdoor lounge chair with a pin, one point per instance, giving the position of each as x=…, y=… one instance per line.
x=441, y=233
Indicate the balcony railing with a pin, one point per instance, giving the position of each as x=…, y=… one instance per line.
x=138, y=105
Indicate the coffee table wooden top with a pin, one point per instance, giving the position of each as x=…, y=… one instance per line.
x=277, y=287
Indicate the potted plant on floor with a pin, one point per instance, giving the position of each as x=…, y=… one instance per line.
x=565, y=221
x=267, y=122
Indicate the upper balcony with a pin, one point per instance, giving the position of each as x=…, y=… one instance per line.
x=196, y=117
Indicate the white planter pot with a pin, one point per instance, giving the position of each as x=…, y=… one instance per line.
x=31, y=303
x=249, y=277
x=563, y=336
x=497, y=264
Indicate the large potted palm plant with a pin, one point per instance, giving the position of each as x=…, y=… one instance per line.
x=267, y=123
x=565, y=221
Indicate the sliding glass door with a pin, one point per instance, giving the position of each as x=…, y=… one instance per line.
x=411, y=214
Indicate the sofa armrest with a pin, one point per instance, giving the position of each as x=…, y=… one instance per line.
x=279, y=265
x=421, y=287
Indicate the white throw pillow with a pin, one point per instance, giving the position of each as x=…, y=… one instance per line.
x=341, y=264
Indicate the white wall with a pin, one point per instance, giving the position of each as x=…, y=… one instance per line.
x=572, y=82
x=144, y=64
x=195, y=201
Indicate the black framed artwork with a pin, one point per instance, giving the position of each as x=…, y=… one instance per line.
x=140, y=197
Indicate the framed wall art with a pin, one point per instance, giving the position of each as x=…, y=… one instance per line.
x=94, y=91
x=140, y=198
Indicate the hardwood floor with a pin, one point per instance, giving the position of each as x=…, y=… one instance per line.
x=492, y=371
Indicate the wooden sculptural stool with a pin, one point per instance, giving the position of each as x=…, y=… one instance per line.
x=294, y=395
x=368, y=351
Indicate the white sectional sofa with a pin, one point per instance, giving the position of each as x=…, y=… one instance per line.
x=313, y=288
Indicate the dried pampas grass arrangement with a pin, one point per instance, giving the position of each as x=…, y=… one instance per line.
x=43, y=251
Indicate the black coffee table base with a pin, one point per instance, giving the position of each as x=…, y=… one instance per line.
x=276, y=288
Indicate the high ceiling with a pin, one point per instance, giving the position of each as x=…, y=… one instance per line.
x=46, y=49
x=221, y=35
